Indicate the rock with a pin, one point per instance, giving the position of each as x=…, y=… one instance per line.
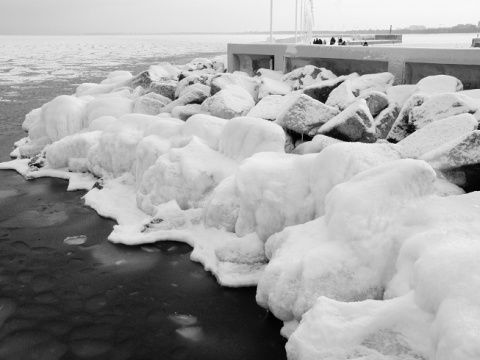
x=317, y=144
x=439, y=84
x=165, y=88
x=462, y=151
x=192, y=79
x=143, y=79
x=268, y=108
x=376, y=101
x=195, y=96
x=474, y=93
x=402, y=127
x=221, y=81
x=289, y=143
x=442, y=106
x=219, y=63
x=385, y=120
x=163, y=71
x=228, y=103
x=355, y=123
x=304, y=115
x=34, y=147
x=321, y=90
x=372, y=82
x=400, y=93
x=273, y=87
x=437, y=134
x=148, y=105
x=165, y=100
x=270, y=74
x=186, y=111
x=307, y=75
x=201, y=63
x=342, y=96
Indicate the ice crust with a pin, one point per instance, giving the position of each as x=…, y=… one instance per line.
x=364, y=250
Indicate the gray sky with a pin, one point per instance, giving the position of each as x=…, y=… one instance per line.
x=153, y=16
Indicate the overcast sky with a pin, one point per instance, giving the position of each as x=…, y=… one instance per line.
x=154, y=16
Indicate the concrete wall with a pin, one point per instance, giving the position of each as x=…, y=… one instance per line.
x=407, y=64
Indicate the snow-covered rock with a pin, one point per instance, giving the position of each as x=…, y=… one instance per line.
x=194, y=96
x=436, y=134
x=372, y=82
x=439, y=84
x=342, y=96
x=31, y=118
x=355, y=123
x=191, y=79
x=461, y=151
x=164, y=88
x=304, y=115
x=268, y=108
x=273, y=87
x=400, y=93
x=307, y=75
x=109, y=106
x=186, y=111
x=321, y=90
x=402, y=127
x=376, y=101
x=205, y=127
x=385, y=120
x=148, y=105
x=270, y=74
x=228, y=103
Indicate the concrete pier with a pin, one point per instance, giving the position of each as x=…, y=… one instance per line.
x=408, y=65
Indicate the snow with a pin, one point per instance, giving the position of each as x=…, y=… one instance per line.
x=363, y=250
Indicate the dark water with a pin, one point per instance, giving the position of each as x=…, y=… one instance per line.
x=103, y=301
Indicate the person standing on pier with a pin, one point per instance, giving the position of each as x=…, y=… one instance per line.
x=332, y=41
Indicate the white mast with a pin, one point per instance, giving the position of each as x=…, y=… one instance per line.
x=271, y=21
x=296, y=18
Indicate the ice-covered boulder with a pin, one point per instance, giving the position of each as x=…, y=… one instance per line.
x=439, y=84
x=205, y=88
x=184, y=175
x=442, y=106
x=76, y=147
x=191, y=79
x=101, y=123
x=342, y=96
x=355, y=123
x=402, y=127
x=31, y=118
x=64, y=115
x=186, y=111
x=221, y=81
x=33, y=146
x=307, y=75
x=321, y=90
x=436, y=134
x=221, y=210
x=115, y=153
x=194, y=96
x=201, y=63
x=148, y=105
x=90, y=89
x=372, y=82
x=376, y=101
x=164, y=88
x=230, y=102
x=273, y=87
x=273, y=190
x=385, y=120
x=118, y=76
x=473, y=93
x=304, y=115
x=461, y=151
x=109, y=106
x=317, y=144
x=205, y=127
x=268, y=108
x=243, y=136
x=349, y=254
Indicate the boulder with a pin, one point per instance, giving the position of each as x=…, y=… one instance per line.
x=228, y=103
x=165, y=88
x=321, y=90
x=400, y=93
x=437, y=134
x=273, y=87
x=221, y=81
x=402, y=127
x=190, y=80
x=317, y=144
x=270, y=74
x=342, y=96
x=195, y=96
x=186, y=111
x=442, y=106
x=307, y=75
x=372, y=82
x=474, y=93
x=385, y=120
x=439, y=84
x=376, y=101
x=268, y=108
x=304, y=115
x=355, y=123
x=148, y=105
x=158, y=97
x=461, y=151
x=163, y=71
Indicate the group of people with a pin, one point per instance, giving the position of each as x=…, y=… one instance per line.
x=318, y=41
